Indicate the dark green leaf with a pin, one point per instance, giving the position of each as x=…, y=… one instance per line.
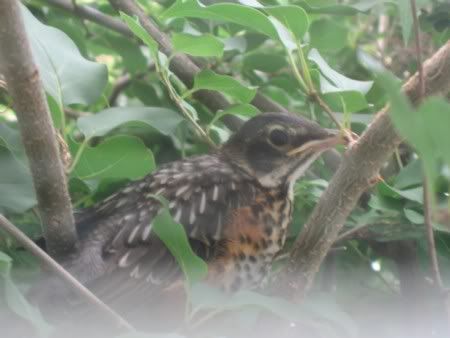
x=140, y=32
x=16, y=186
x=130, y=52
x=116, y=157
x=265, y=62
x=17, y=302
x=162, y=119
x=207, y=79
x=203, y=45
x=67, y=76
x=294, y=18
x=229, y=12
x=328, y=35
x=246, y=110
x=333, y=81
x=353, y=101
x=174, y=237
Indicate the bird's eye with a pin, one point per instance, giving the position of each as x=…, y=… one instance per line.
x=278, y=137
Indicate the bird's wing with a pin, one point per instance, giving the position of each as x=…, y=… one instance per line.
x=201, y=192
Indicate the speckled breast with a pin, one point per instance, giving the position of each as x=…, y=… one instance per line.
x=256, y=233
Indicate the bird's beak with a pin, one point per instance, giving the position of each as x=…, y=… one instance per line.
x=333, y=138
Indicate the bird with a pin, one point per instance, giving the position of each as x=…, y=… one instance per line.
x=235, y=205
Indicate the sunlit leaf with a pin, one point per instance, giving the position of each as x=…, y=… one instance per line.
x=140, y=32
x=203, y=45
x=162, y=119
x=174, y=237
x=116, y=157
x=16, y=186
x=294, y=18
x=207, y=79
x=334, y=80
x=230, y=12
x=66, y=74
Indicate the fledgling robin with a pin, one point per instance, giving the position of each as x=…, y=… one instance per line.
x=235, y=205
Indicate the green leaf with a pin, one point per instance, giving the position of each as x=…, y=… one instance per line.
x=294, y=18
x=229, y=12
x=413, y=216
x=265, y=62
x=116, y=157
x=246, y=110
x=414, y=194
x=406, y=18
x=174, y=237
x=162, y=119
x=17, y=302
x=409, y=176
x=203, y=45
x=131, y=54
x=426, y=129
x=207, y=79
x=328, y=35
x=332, y=81
x=324, y=7
x=140, y=32
x=16, y=186
x=354, y=101
x=206, y=297
x=67, y=76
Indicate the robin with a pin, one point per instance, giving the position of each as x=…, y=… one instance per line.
x=235, y=205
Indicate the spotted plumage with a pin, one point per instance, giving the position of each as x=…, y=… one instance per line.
x=235, y=205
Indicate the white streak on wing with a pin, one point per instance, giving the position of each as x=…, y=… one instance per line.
x=192, y=214
x=128, y=217
x=202, y=203
x=135, y=272
x=123, y=262
x=193, y=233
x=129, y=189
x=215, y=193
x=146, y=232
x=153, y=280
x=116, y=238
x=133, y=234
x=177, y=216
x=219, y=227
x=160, y=191
x=121, y=202
x=233, y=186
x=182, y=190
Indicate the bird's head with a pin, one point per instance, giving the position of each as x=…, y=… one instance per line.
x=277, y=148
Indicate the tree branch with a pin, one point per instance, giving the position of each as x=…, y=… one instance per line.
x=54, y=267
x=360, y=166
x=38, y=133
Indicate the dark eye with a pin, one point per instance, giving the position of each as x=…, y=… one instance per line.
x=278, y=137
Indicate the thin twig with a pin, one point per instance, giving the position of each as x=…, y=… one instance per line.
x=54, y=267
x=316, y=97
x=418, y=48
x=430, y=235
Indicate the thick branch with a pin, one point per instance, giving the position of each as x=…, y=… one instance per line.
x=38, y=133
x=358, y=170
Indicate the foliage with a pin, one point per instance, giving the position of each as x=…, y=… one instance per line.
x=285, y=50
